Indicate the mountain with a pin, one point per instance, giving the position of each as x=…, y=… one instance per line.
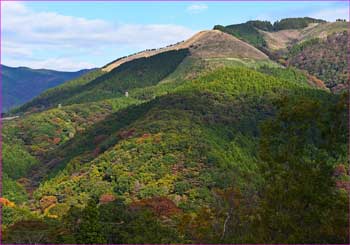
x=325, y=58
x=216, y=45
x=21, y=84
x=253, y=31
x=146, y=68
x=215, y=141
x=313, y=45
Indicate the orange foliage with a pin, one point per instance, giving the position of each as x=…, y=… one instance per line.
x=142, y=138
x=4, y=201
x=315, y=81
x=197, y=226
x=106, y=198
x=161, y=206
x=47, y=201
x=231, y=195
x=157, y=138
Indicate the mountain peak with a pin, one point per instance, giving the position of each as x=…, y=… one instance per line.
x=203, y=44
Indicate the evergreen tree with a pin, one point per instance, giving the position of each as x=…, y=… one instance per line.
x=90, y=230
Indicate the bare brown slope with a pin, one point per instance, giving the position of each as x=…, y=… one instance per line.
x=282, y=39
x=204, y=44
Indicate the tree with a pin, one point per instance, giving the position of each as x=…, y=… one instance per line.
x=90, y=230
x=300, y=203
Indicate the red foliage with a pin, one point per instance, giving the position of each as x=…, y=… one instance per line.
x=106, y=198
x=145, y=136
x=339, y=170
x=161, y=206
x=126, y=134
x=343, y=185
x=56, y=140
x=142, y=138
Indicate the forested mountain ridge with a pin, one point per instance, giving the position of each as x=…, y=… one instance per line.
x=287, y=40
x=114, y=79
x=213, y=142
x=21, y=84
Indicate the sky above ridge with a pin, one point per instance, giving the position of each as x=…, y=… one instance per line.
x=70, y=36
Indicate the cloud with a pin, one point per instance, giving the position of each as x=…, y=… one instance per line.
x=332, y=14
x=51, y=35
x=63, y=64
x=196, y=8
x=59, y=64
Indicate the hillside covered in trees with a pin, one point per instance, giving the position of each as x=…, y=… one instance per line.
x=313, y=45
x=233, y=148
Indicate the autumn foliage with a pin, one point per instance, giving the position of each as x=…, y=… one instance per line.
x=6, y=202
x=47, y=201
x=161, y=206
x=106, y=198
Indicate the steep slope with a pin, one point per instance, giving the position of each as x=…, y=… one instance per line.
x=314, y=46
x=325, y=29
x=21, y=84
x=265, y=35
x=280, y=40
x=204, y=44
x=245, y=31
x=217, y=44
x=320, y=49
x=324, y=58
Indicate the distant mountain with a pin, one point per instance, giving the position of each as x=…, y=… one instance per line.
x=315, y=46
x=251, y=31
x=21, y=84
x=324, y=58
